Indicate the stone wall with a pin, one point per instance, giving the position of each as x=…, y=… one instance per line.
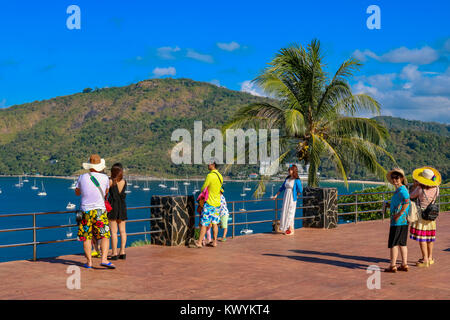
x=178, y=220
x=325, y=211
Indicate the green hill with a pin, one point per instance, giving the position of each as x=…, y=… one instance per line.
x=133, y=125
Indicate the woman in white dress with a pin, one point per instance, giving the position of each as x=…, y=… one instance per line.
x=292, y=186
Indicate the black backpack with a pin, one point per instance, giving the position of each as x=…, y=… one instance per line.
x=431, y=212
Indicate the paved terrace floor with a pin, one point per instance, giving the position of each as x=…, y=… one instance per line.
x=312, y=264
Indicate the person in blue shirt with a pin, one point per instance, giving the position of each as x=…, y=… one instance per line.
x=291, y=187
x=398, y=232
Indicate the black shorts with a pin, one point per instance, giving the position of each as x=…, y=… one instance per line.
x=398, y=236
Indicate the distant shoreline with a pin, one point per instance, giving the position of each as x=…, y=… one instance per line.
x=150, y=178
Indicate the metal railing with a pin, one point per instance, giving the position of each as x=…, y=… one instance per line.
x=35, y=228
x=275, y=210
x=383, y=201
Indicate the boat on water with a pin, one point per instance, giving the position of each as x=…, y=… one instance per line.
x=1, y=191
x=136, y=186
x=146, y=188
x=70, y=206
x=69, y=232
x=73, y=185
x=246, y=230
x=186, y=183
x=174, y=187
x=162, y=184
x=26, y=179
x=20, y=183
x=34, y=187
x=243, y=194
x=246, y=187
x=42, y=193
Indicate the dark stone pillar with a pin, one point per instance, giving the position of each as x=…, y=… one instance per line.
x=325, y=212
x=178, y=220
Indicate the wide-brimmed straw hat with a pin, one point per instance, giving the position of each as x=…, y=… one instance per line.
x=95, y=162
x=427, y=176
x=399, y=171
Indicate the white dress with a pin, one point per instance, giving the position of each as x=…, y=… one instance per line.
x=289, y=205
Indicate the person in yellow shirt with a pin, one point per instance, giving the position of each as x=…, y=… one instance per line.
x=211, y=208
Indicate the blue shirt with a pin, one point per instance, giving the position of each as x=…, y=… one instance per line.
x=401, y=196
x=297, y=188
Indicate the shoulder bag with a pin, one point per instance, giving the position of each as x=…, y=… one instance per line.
x=431, y=212
x=97, y=184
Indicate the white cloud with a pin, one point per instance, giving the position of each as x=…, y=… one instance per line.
x=425, y=55
x=166, y=53
x=159, y=72
x=413, y=95
x=229, y=46
x=249, y=87
x=198, y=56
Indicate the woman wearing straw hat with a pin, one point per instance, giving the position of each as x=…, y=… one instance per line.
x=426, y=191
x=398, y=232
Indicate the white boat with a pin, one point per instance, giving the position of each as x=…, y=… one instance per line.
x=73, y=185
x=146, y=188
x=246, y=188
x=175, y=186
x=42, y=193
x=69, y=232
x=186, y=183
x=126, y=189
x=246, y=231
x=26, y=180
x=34, y=187
x=1, y=191
x=20, y=183
x=162, y=184
x=70, y=206
x=196, y=187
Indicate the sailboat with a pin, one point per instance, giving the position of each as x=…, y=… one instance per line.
x=243, y=203
x=73, y=185
x=186, y=183
x=1, y=191
x=246, y=230
x=175, y=186
x=246, y=188
x=126, y=189
x=42, y=193
x=34, y=187
x=196, y=187
x=243, y=194
x=69, y=232
x=26, y=179
x=136, y=186
x=272, y=189
x=20, y=184
x=129, y=182
x=146, y=188
x=162, y=184
x=70, y=206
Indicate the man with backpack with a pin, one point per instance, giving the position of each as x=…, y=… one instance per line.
x=211, y=207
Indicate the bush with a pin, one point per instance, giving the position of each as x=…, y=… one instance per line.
x=140, y=243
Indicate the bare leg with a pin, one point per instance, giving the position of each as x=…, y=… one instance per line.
x=424, y=249
x=224, y=233
x=430, y=250
x=215, y=234
x=123, y=236
x=404, y=252
x=87, y=245
x=113, y=228
x=394, y=255
x=105, y=247
x=202, y=235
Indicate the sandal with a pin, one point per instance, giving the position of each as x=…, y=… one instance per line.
x=87, y=266
x=195, y=245
x=392, y=269
x=403, y=268
x=109, y=265
x=423, y=264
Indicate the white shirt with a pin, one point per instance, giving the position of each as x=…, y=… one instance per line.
x=91, y=197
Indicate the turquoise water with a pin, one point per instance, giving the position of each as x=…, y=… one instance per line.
x=23, y=199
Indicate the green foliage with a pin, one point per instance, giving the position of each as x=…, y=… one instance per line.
x=140, y=243
x=377, y=198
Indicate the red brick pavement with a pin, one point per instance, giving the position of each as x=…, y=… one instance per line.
x=312, y=264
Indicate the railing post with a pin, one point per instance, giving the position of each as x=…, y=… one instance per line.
x=382, y=211
x=356, y=211
x=276, y=209
x=232, y=236
x=34, y=238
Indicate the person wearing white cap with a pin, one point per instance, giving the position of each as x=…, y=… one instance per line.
x=93, y=188
x=426, y=191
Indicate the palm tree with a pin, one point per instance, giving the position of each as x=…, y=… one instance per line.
x=315, y=114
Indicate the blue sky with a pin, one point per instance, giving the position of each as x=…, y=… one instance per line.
x=406, y=62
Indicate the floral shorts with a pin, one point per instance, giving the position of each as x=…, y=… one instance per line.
x=210, y=215
x=94, y=224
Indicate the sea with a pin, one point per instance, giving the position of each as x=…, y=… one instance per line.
x=18, y=197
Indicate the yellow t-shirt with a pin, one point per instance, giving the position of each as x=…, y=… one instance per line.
x=214, y=185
